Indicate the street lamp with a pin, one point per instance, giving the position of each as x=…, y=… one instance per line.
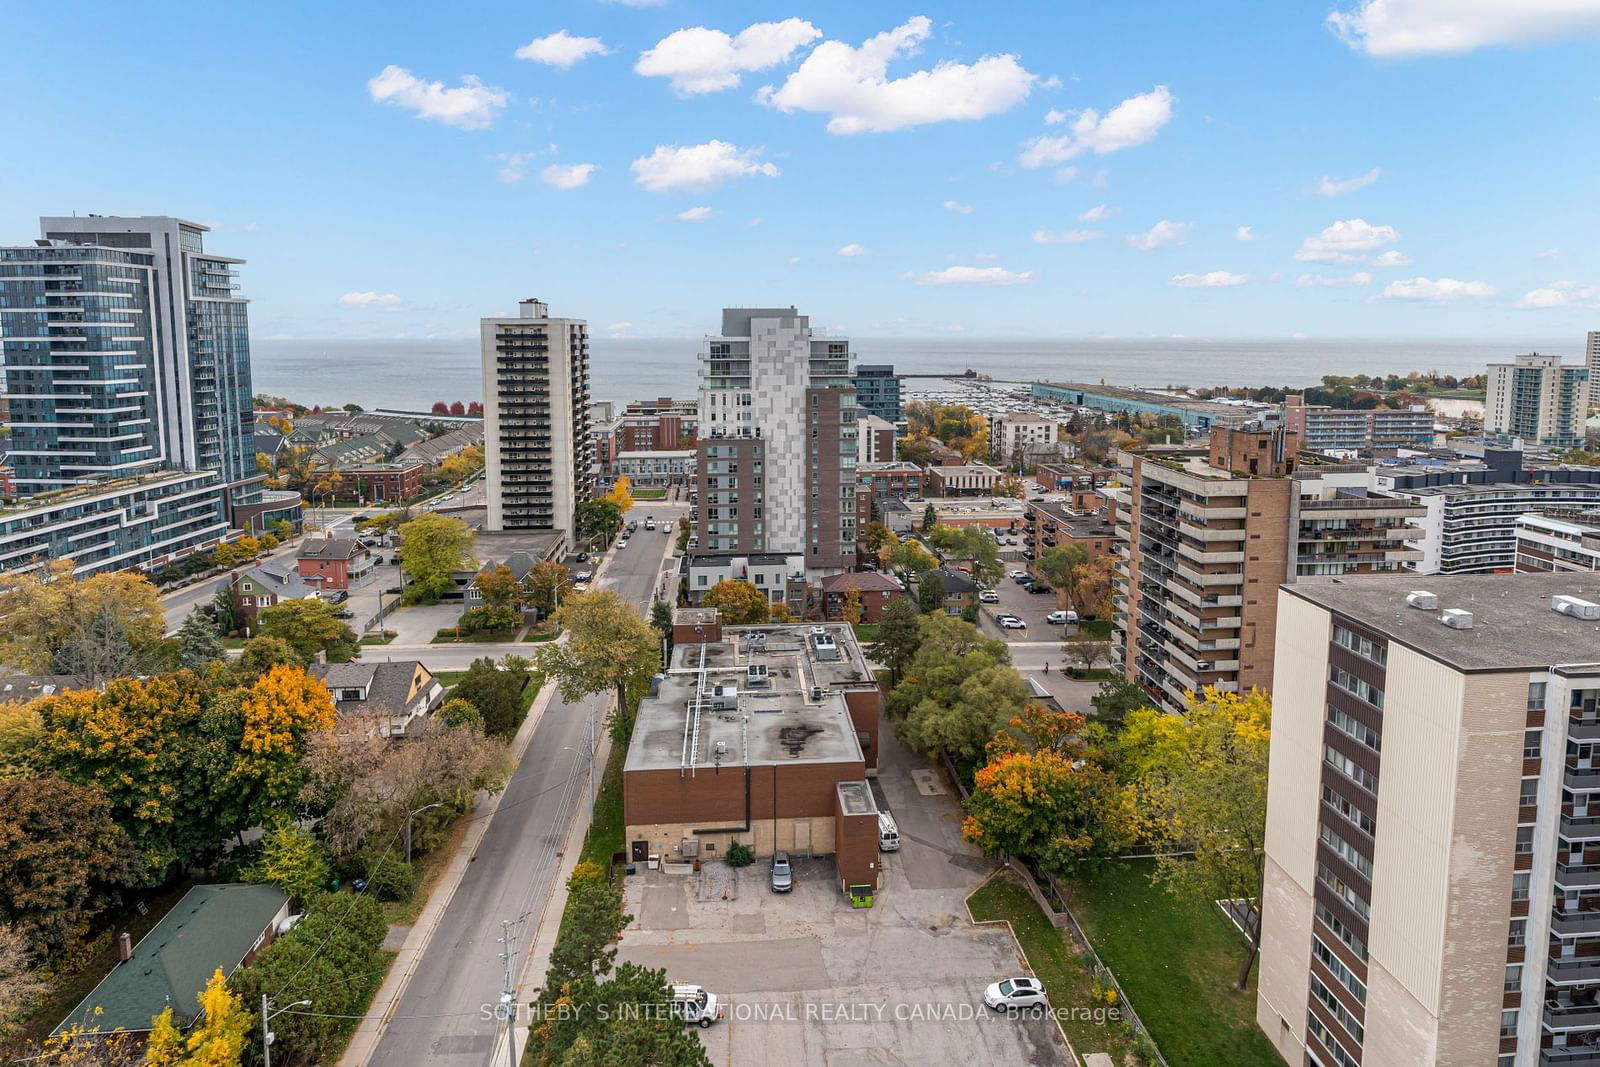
x=267, y=1015
x=588, y=753
x=409, y=814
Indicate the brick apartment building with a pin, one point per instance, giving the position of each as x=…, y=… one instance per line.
x=382, y=482
x=783, y=729
x=333, y=563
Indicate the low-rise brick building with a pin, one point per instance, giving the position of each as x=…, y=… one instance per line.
x=379, y=482
x=333, y=563
x=760, y=735
x=971, y=479
x=877, y=592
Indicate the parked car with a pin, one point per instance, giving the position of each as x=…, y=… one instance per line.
x=989, y=596
x=782, y=876
x=1011, y=622
x=582, y=557
x=1040, y=587
x=1057, y=618
x=623, y=543
x=395, y=589
x=1021, y=577
x=693, y=1004
x=377, y=561
x=582, y=576
x=344, y=613
x=339, y=596
x=1014, y=993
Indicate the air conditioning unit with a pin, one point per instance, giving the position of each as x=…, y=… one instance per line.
x=1456, y=619
x=756, y=677
x=1422, y=599
x=1575, y=607
x=725, y=698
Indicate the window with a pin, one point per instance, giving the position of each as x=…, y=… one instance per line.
x=1529, y=794
x=1355, y=686
x=1536, y=694
x=1519, y=886
x=1358, y=818
x=1345, y=851
x=1348, y=725
x=1341, y=1058
x=1340, y=1012
x=1347, y=767
x=1518, y=935
x=1513, y=977
x=1364, y=647
x=1524, y=840
x=1508, y=1023
x=1329, y=959
x=1530, y=744
x=1347, y=893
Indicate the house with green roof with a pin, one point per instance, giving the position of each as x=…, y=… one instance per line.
x=213, y=926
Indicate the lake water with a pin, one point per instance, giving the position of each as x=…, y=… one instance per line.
x=413, y=374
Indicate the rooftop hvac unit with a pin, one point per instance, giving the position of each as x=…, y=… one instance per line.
x=722, y=748
x=816, y=694
x=1575, y=607
x=1456, y=619
x=755, y=677
x=1421, y=598
x=725, y=698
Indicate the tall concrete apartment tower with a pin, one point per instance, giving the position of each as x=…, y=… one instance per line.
x=1432, y=886
x=1537, y=399
x=127, y=349
x=777, y=445
x=1591, y=360
x=1207, y=538
x=537, y=452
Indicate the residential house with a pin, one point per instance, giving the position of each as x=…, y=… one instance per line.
x=436, y=450
x=971, y=479
x=342, y=453
x=520, y=564
x=877, y=592
x=329, y=563
x=391, y=696
x=263, y=586
x=21, y=688
x=781, y=577
x=376, y=482
x=960, y=591
x=214, y=927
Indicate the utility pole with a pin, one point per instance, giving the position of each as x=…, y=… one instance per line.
x=267, y=1015
x=508, y=995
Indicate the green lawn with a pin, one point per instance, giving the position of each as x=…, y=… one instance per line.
x=866, y=633
x=1092, y=630
x=1067, y=978
x=449, y=636
x=606, y=832
x=648, y=494
x=377, y=639
x=1176, y=959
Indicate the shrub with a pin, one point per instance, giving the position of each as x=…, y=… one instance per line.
x=390, y=878
x=459, y=712
x=488, y=618
x=739, y=855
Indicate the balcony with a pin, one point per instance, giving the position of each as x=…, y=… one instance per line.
x=1574, y=970
x=1578, y=876
x=1580, y=827
x=1582, y=777
x=1583, y=729
x=1574, y=923
x=1569, y=1056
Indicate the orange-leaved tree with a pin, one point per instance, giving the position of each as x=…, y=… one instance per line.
x=280, y=712
x=740, y=603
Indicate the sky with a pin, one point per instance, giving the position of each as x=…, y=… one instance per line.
x=1366, y=168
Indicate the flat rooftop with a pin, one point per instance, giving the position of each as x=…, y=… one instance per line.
x=1513, y=625
x=855, y=798
x=795, y=712
x=1145, y=396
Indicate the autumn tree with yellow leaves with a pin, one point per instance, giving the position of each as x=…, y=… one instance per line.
x=217, y=1038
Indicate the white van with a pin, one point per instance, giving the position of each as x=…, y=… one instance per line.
x=693, y=1004
x=888, y=833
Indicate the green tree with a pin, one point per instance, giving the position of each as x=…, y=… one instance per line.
x=293, y=860
x=309, y=626
x=898, y=638
x=877, y=537
x=740, y=603
x=284, y=529
x=49, y=609
x=433, y=548
x=973, y=545
x=930, y=594
x=598, y=520
x=225, y=606
x=1049, y=808
x=199, y=644
x=497, y=695
x=1115, y=699
x=1201, y=782
x=930, y=517
x=459, y=712
x=65, y=859
x=909, y=557
x=621, y=1021
x=499, y=587
x=20, y=984
x=608, y=646
x=590, y=926
x=102, y=651
x=958, y=690
x=261, y=654
x=548, y=583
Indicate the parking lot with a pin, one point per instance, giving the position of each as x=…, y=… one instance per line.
x=1031, y=608
x=806, y=980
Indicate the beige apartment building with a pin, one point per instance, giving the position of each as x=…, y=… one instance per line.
x=1208, y=536
x=1432, y=888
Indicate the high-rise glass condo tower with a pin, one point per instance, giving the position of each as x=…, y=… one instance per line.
x=127, y=349
x=538, y=459
x=777, y=446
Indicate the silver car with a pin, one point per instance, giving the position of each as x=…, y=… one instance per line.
x=782, y=876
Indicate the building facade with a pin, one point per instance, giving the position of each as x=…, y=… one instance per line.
x=1591, y=360
x=1558, y=539
x=1429, y=890
x=1011, y=434
x=777, y=446
x=657, y=469
x=143, y=522
x=1322, y=428
x=969, y=479
x=879, y=391
x=378, y=483
x=330, y=564
x=1537, y=399
x=875, y=437
x=538, y=454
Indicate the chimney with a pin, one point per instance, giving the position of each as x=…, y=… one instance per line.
x=124, y=947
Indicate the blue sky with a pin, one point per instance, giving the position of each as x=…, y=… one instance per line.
x=1408, y=169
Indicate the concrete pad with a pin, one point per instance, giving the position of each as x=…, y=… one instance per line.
x=792, y=964
x=664, y=907
x=928, y=783
x=1098, y=1059
x=395, y=939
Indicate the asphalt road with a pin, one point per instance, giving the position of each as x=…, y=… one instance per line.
x=445, y=1017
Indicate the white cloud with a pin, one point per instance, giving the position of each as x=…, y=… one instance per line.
x=1437, y=290
x=1324, y=281
x=1346, y=241
x=1549, y=253
x=1559, y=295
x=561, y=49
x=513, y=165
x=1065, y=175
x=983, y=277
x=794, y=261
x=852, y=85
x=567, y=176
x=617, y=329
x=1055, y=117
x=1392, y=258
x=470, y=106
x=1064, y=237
x=986, y=257
x=1098, y=213
x=1244, y=233
x=1130, y=123
x=1216, y=279
x=1327, y=186
x=692, y=168
x=694, y=214
x=369, y=299
x=1395, y=28
x=700, y=60
x=957, y=208
x=1162, y=233
x=751, y=224
x=853, y=249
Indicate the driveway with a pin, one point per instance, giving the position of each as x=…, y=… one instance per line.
x=417, y=625
x=807, y=980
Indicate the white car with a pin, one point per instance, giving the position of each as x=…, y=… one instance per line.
x=1061, y=618
x=582, y=576
x=1014, y=993
x=622, y=543
x=1011, y=622
x=989, y=596
x=1015, y=575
